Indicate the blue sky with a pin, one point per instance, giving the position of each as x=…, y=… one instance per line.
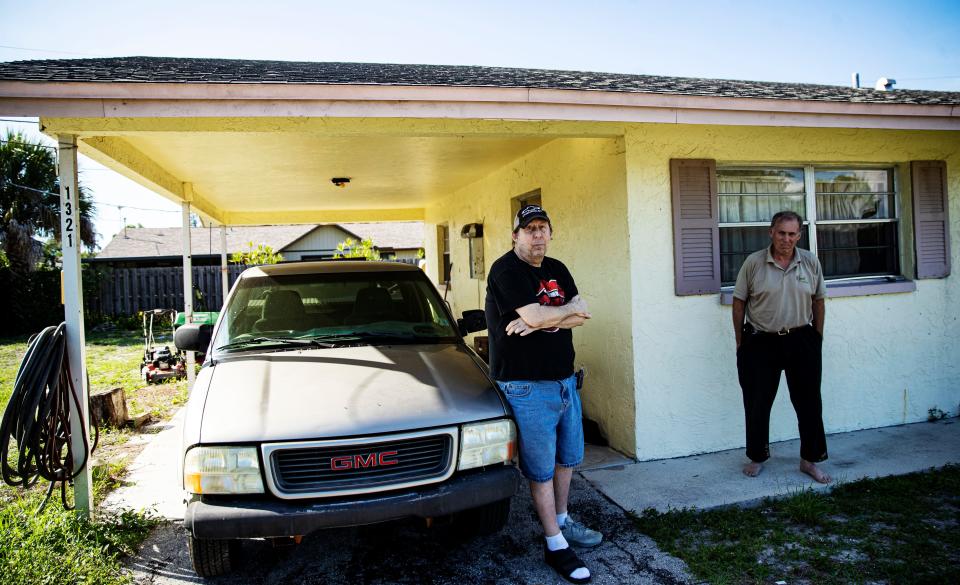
x=917, y=43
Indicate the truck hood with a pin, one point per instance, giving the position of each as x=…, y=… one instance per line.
x=341, y=392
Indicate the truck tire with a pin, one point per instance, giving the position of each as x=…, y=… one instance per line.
x=486, y=519
x=211, y=558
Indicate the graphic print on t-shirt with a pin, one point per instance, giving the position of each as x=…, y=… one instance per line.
x=550, y=294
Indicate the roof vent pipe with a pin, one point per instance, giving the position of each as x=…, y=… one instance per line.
x=855, y=80
x=884, y=84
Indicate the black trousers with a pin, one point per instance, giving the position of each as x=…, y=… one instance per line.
x=760, y=360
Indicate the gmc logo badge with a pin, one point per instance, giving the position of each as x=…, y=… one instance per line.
x=381, y=459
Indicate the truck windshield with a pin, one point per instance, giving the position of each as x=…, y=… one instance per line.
x=331, y=309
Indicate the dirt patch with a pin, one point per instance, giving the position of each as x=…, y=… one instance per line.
x=160, y=400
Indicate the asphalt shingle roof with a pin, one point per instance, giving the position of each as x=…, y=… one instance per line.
x=165, y=242
x=159, y=242
x=389, y=234
x=195, y=70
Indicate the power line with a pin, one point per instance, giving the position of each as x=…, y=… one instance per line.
x=19, y=121
x=81, y=171
x=47, y=51
x=928, y=78
x=41, y=191
x=98, y=204
x=27, y=144
x=141, y=208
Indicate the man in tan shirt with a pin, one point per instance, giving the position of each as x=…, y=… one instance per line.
x=778, y=316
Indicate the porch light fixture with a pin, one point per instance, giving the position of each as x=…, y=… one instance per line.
x=340, y=181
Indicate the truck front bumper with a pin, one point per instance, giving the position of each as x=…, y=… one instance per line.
x=228, y=518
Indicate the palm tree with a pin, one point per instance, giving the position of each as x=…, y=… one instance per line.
x=30, y=202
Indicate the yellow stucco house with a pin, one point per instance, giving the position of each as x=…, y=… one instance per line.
x=657, y=187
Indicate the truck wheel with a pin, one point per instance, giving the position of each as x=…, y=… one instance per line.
x=486, y=519
x=211, y=558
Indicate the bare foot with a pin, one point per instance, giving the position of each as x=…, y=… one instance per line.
x=811, y=469
x=752, y=469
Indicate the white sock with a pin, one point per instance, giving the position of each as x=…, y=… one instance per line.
x=562, y=519
x=556, y=542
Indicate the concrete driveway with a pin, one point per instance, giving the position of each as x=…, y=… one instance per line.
x=408, y=552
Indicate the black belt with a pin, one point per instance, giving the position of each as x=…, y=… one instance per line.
x=748, y=328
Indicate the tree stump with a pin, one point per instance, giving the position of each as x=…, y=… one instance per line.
x=109, y=408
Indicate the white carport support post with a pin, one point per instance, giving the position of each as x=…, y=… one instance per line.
x=73, y=315
x=224, y=274
x=188, y=286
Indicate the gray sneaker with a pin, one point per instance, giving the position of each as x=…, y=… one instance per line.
x=579, y=535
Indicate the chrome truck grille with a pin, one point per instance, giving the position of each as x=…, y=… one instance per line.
x=354, y=466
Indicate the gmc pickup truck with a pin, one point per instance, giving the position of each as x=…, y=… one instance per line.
x=337, y=394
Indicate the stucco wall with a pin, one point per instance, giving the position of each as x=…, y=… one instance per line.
x=887, y=358
x=583, y=187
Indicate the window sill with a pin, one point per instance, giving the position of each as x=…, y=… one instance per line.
x=850, y=288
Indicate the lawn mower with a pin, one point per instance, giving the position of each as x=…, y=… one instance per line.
x=159, y=361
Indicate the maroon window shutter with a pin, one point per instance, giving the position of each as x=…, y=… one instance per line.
x=931, y=228
x=696, y=235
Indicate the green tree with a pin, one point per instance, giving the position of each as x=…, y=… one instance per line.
x=30, y=202
x=262, y=254
x=351, y=248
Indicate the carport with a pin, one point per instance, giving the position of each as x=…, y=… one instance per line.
x=256, y=143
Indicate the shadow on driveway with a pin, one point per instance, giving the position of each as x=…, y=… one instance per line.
x=408, y=552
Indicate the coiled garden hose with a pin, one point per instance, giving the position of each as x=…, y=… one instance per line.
x=37, y=418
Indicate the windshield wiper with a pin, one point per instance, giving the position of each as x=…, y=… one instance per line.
x=332, y=340
x=395, y=336
x=284, y=341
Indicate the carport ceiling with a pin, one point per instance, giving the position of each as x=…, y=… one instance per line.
x=385, y=172
x=287, y=176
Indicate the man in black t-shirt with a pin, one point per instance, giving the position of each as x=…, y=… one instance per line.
x=532, y=305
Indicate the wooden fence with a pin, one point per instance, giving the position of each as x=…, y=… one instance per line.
x=125, y=291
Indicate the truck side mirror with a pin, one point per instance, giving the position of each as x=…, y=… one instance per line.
x=193, y=337
x=473, y=320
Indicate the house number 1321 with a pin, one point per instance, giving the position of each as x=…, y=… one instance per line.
x=68, y=219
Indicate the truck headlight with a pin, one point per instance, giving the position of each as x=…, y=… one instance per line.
x=222, y=470
x=487, y=443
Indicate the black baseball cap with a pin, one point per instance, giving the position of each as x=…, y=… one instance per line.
x=527, y=214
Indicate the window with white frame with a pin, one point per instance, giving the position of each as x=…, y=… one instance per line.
x=850, y=216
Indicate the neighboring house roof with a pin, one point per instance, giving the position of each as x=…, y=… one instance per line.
x=218, y=71
x=166, y=242
x=161, y=242
x=398, y=235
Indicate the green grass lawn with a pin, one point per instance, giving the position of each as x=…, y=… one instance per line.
x=11, y=352
x=56, y=546
x=897, y=530
x=113, y=360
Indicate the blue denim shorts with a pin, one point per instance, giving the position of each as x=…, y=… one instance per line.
x=549, y=424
